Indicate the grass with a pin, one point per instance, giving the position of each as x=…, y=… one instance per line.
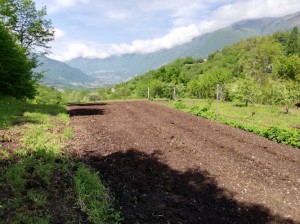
x=267, y=121
x=12, y=111
x=262, y=115
x=38, y=170
x=93, y=197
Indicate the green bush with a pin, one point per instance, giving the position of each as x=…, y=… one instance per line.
x=289, y=137
x=47, y=95
x=203, y=112
x=179, y=105
x=281, y=135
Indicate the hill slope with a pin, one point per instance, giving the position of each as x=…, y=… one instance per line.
x=61, y=75
x=264, y=70
x=119, y=68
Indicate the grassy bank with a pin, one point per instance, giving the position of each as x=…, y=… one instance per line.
x=39, y=180
x=268, y=121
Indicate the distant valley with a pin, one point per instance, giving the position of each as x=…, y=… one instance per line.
x=116, y=69
x=61, y=75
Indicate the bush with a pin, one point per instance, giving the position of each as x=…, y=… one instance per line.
x=94, y=97
x=280, y=135
x=15, y=68
x=47, y=95
x=179, y=105
x=203, y=112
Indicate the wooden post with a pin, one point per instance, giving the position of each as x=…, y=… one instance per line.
x=174, y=93
x=217, y=104
x=148, y=93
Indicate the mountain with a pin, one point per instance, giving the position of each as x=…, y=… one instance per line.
x=116, y=69
x=61, y=75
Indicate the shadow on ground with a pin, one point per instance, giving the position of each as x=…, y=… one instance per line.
x=85, y=112
x=149, y=191
x=87, y=104
x=86, y=109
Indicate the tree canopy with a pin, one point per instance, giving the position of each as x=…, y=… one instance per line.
x=24, y=31
x=27, y=23
x=16, y=76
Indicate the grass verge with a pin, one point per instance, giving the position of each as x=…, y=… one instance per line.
x=39, y=181
x=266, y=121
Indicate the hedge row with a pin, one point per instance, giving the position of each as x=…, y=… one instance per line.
x=281, y=135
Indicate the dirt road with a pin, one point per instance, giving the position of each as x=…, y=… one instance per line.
x=166, y=166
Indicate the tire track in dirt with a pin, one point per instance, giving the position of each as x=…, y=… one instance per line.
x=157, y=161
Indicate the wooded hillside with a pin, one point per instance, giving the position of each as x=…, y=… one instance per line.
x=263, y=70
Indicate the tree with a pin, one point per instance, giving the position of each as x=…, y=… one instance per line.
x=259, y=54
x=16, y=76
x=208, y=81
x=245, y=90
x=293, y=42
x=288, y=67
x=27, y=23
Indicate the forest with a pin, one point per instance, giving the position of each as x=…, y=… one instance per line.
x=262, y=70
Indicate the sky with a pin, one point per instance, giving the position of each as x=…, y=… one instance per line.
x=102, y=28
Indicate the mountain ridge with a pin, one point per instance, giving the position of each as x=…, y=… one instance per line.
x=118, y=68
x=61, y=75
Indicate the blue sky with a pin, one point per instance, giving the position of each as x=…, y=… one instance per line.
x=101, y=28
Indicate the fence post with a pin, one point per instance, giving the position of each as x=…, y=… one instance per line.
x=174, y=93
x=217, y=104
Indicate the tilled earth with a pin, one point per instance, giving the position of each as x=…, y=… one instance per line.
x=165, y=166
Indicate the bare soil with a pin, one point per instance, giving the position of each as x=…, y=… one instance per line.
x=166, y=166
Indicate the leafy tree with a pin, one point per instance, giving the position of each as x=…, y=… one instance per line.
x=258, y=55
x=207, y=82
x=285, y=93
x=189, y=60
x=27, y=23
x=288, y=67
x=168, y=90
x=142, y=90
x=16, y=76
x=156, y=88
x=293, y=42
x=282, y=37
x=194, y=88
x=245, y=90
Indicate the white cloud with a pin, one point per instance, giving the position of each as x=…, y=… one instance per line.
x=59, y=34
x=185, y=27
x=117, y=14
x=256, y=9
x=250, y=9
x=75, y=50
x=175, y=37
